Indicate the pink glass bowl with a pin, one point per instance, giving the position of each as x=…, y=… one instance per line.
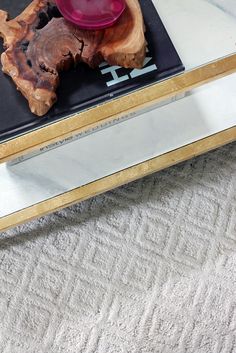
x=91, y=14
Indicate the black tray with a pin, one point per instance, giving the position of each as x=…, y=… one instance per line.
x=92, y=86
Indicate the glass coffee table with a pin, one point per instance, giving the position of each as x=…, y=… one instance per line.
x=93, y=150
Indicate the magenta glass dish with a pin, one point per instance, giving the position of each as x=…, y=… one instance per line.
x=91, y=14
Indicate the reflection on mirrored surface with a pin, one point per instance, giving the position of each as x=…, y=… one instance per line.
x=202, y=30
x=201, y=113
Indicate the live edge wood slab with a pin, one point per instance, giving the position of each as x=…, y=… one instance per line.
x=40, y=43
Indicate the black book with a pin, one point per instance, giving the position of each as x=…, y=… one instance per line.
x=82, y=87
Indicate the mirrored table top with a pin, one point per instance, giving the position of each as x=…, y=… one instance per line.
x=202, y=31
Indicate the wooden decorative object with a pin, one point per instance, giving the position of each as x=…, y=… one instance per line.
x=40, y=43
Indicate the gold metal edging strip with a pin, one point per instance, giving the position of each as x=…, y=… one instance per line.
x=110, y=110
x=119, y=178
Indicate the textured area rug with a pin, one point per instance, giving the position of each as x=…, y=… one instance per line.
x=149, y=267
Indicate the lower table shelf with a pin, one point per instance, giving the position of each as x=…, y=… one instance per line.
x=112, y=155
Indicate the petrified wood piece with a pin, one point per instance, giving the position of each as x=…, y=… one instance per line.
x=40, y=43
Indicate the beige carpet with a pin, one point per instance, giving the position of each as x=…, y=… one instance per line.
x=150, y=267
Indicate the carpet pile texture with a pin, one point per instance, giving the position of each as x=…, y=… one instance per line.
x=149, y=267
